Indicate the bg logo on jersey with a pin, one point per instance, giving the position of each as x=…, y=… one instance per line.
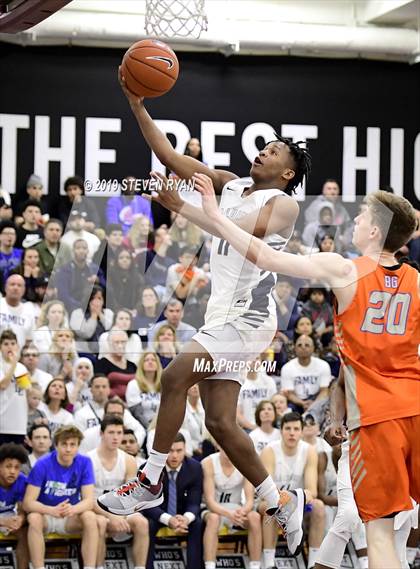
x=391, y=282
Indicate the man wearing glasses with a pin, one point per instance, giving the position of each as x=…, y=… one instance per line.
x=30, y=359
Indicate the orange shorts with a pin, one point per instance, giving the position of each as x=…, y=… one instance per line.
x=385, y=467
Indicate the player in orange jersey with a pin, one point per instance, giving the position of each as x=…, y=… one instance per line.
x=377, y=323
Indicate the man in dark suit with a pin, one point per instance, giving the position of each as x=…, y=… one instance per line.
x=180, y=510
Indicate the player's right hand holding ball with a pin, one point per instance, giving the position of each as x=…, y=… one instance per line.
x=134, y=100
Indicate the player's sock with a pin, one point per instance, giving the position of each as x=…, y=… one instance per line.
x=255, y=565
x=411, y=554
x=268, y=492
x=154, y=466
x=210, y=564
x=100, y=567
x=363, y=562
x=313, y=552
x=88, y=567
x=139, y=567
x=269, y=555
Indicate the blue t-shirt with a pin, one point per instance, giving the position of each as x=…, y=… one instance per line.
x=59, y=483
x=10, y=261
x=9, y=497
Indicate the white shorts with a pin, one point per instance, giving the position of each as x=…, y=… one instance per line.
x=4, y=530
x=224, y=522
x=234, y=345
x=412, y=515
x=55, y=525
x=121, y=537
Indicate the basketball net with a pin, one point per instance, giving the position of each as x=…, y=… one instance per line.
x=175, y=18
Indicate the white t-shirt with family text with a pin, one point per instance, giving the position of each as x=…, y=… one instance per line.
x=305, y=381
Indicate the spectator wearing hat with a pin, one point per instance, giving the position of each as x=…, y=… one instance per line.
x=30, y=232
x=52, y=252
x=34, y=187
x=6, y=212
x=124, y=208
x=10, y=256
x=34, y=191
x=74, y=280
x=75, y=199
x=77, y=224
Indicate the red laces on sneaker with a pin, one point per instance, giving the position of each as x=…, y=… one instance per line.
x=127, y=488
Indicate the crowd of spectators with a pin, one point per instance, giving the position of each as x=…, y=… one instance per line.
x=98, y=296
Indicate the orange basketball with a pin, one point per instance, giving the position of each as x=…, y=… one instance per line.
x=150, y=68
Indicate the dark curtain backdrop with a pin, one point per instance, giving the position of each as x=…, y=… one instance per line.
x=82, y=82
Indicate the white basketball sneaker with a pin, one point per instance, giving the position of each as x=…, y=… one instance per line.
x=289, y=516
x=135, y=495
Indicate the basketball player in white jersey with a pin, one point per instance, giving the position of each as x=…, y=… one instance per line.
x=241, y=317
x=222, y=486
x=293, y=463
x=112, y=467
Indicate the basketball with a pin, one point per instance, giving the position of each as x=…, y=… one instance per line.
x=150, y=68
